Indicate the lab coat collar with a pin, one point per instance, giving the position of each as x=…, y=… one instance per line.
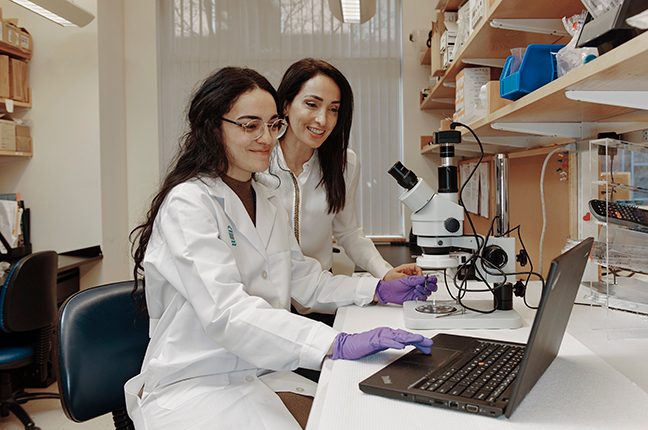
x=266, y=213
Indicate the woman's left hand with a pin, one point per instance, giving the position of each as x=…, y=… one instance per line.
x=402, y=271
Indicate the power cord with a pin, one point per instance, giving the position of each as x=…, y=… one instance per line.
x=568, y=147
x=487, y=266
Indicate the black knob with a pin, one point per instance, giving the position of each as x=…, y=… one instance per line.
x=451, y=225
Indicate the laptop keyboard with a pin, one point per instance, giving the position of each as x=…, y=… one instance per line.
x=483, y=376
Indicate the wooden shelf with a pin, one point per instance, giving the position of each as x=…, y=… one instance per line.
x=450, y=5
x=4, y=153
x=425, y=57
x=625, y=68
x=23, y=105
x=14, y=51
x=492, y=43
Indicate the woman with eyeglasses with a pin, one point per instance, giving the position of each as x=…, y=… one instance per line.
x=316, y=174
x=221, y=267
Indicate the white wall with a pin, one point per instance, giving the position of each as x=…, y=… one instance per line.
x=112, y=132
x=129, y=131
x=61, y=182
x=417, y=15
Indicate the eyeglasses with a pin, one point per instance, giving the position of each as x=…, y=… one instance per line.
x=254, y=128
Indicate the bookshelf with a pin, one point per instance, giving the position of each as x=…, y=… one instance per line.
x=555, y=113
x=14, y=106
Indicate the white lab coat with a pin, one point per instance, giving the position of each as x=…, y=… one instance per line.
x=306, y=202
x=218, y=292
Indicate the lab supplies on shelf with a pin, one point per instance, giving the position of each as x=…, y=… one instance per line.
x=619, y=180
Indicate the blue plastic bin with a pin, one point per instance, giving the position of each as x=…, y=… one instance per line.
x=538, y=68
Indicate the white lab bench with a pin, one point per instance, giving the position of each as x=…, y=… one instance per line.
x=594, y=382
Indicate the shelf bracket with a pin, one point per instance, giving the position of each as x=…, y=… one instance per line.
x=543, y=26
x=485, y=62
x=574, y=130
x=443, y=101
x=629, y=99
x=9, y=105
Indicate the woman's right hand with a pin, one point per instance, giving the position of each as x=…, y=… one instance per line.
x=402, y=271
x=354, y=346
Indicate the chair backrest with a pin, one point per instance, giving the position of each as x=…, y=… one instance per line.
x=28, y=295
x=102, y=340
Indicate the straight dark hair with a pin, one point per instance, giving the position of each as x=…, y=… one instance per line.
x=202, y=151
x=333, y=152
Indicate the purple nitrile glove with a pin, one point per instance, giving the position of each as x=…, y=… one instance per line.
x=353, y=346
x=403, y=289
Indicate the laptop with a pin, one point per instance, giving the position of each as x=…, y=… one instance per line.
x=483, y=376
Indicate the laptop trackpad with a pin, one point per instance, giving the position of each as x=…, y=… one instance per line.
x=440, y=357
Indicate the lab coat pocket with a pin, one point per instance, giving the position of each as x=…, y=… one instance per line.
x=133, y=390
x=174, y=396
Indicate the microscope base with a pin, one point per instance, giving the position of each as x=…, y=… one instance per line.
x=461, y=318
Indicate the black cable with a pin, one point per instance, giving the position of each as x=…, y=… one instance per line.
x=479, y=241
x=462, y=287
x=453, y=126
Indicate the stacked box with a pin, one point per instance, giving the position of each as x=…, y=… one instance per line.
x=25, y=41
x=468, y=84
x=5, y=85
x=18, y=78
x=10, y=32
x=448, y=38
x=23, y=138
x=7, y=135
x=463, y=29
x=477, y=10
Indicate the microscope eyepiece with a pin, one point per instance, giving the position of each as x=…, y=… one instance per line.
x=404, y=176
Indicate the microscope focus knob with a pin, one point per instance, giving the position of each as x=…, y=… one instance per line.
x=451, y=225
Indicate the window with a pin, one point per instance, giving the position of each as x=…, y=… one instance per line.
x=200, y=36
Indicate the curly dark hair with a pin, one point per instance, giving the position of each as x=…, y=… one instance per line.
x=202, y=151
x=333, y=152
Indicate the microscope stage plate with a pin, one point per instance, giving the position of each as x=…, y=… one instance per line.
x=416, y=316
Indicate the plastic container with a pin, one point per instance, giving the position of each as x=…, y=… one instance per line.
x=538, y=68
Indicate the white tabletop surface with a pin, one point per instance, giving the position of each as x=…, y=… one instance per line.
x=597, y=381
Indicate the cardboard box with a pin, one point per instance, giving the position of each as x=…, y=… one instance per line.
x=10, y=32
x=25, y=41
x=468, y=84
x=477, y=9
x=18, y=78
x=493, y=99
x=5, y=85
x=23, y=138
x=436, y=64
x=7, y=135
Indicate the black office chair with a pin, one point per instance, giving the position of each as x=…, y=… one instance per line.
x=102, y=340
x=27, y=316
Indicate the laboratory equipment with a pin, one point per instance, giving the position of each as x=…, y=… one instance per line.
x=626, y=215
x=437, y=223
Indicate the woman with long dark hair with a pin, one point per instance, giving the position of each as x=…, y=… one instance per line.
x=316, y=173
x=221, y=267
